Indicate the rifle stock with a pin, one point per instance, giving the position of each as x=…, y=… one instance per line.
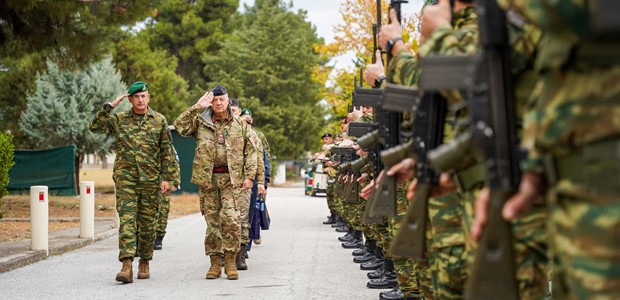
x=410, y=240
x=493, y=262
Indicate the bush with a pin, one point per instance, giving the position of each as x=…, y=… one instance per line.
x=6, y=161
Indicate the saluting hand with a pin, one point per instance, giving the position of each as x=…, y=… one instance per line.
x=118, y=100
x=204, y=101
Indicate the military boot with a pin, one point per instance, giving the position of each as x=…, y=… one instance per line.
x=240, y=260
x=339, y=222
x=126, y=273
x=215, y=271
x=347, y=237
x=356, y=242
x=368, y=246
x=229, y=266
x=376, y=274
x=393, y=294
x=143, y=269
x=376, y=262
x=158, y=243
x=331, y=219
x=388, y=280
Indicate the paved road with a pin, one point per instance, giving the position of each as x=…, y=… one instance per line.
x=299, y=259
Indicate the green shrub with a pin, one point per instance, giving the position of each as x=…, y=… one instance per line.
x=6, y=161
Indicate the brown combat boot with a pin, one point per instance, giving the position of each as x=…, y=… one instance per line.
x=143, y=269
x=230, y=267
x=126, y=273
x=240, y=261
x=215, y=271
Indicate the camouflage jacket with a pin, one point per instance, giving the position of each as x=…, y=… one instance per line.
x=263, y=140
x=576, y=100
x=241, y=147
x=174, y=169
x=143, y=145
x=260, y=162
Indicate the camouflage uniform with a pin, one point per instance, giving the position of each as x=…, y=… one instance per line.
x=164, y=208
x=220, y=143
x=572, y=133
x=143, y=150
x=244, y=211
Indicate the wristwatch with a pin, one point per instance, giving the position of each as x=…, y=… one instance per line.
x=391, y=43
x=108, y=106
x=379, y=80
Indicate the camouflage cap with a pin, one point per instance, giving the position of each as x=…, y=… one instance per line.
x=246, y=111
x=138, y=86
x=219, y=91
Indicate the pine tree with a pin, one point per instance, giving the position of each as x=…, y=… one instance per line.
x=269, y=63
x=64, y=103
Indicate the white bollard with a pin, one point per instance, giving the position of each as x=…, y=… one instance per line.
x=39, y=218
x=87, y=209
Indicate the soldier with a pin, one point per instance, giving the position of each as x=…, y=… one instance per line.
x=235, y=106
x=164, y=209
x=328, y=142
x=246, y=204
x=141, y=173
x=572, y=134
x=224, y=166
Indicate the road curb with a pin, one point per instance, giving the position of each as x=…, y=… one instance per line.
x=57, y=247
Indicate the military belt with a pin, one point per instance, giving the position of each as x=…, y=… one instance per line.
x=223, y=169
x=471, y=178
x=596, y=166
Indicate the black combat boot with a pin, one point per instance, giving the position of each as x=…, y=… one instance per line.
x=367, y=248
x=393, y=294
x=388, y=280
x=356, y=242
x=331, y=219
x=347, y=237
x=343, y=228
x=378, y=273
x=338, y=221
x=158, y=243
x=376, y=262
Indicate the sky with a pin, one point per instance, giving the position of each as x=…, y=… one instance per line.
x=325, y=14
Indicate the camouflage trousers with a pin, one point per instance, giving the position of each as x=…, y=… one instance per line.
x=448, y=256
x=244, y=218
x=329, y=195
x=530, y=249
x=585, y=237
x=220, y=207
x=137, y=206
x=162, y=218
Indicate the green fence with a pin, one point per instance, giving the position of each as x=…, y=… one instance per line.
x=52, y=167
x=186, y=147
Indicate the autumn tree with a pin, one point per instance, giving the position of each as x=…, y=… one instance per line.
x=355, y=35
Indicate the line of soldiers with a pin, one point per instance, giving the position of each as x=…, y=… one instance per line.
x=489, y=168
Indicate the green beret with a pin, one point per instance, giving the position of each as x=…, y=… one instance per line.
x=246, y=111
x=138, y=86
